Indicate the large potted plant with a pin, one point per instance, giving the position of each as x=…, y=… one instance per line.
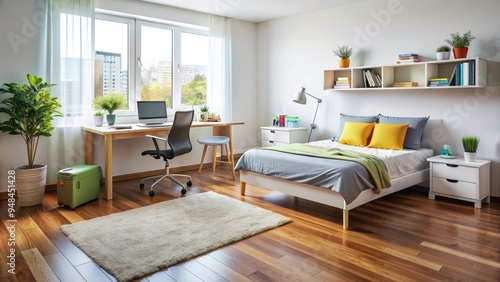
x=30, y=109
x=344, y=52
x=460, y=43
x=110, y=103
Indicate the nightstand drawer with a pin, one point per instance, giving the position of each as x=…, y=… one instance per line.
x=454, y=187
x=276, y=135
x=269, y=143
x=456, y=172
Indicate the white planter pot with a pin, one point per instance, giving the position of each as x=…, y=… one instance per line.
x=443, y=56
x=470, y=157
x=98, y=120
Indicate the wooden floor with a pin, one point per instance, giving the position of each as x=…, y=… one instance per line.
x=402, y=237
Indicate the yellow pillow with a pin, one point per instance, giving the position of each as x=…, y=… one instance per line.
x=356, y=133
x=388, y=136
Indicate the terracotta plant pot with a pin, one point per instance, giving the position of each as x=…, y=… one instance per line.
x=460, y=52
x=344, y=63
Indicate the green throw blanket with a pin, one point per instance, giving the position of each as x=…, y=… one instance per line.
x=374, y=165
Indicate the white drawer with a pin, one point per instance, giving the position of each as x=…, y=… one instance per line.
x=456, y=172
x=269, y=143
x=454, y=187
x=276, y=135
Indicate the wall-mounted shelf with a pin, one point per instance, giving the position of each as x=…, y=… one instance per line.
x=420, y=72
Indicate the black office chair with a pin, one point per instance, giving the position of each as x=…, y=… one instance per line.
x=178, y=143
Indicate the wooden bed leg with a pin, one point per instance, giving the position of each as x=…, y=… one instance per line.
x=242, y=188
x=346, y=219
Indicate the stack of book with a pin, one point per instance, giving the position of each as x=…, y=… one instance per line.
x=371, y=79
x=438, y=81
x=408, y=58
x=343, y=82
x=405, y=84
x=464, y=74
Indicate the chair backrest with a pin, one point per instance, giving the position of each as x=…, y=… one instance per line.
x=178, y=137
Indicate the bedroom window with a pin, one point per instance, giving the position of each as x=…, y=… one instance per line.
x=150, y=61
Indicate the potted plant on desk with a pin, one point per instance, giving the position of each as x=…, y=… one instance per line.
x=30, y=110
x=110, y=103
x=203, y=115
x=98, y=118
x=470, y=144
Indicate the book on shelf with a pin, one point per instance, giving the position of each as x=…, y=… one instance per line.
x=463, y=74
x=405, y=84
x=438, y=81
x=408, y=58
x=371, y=79
x=343, y=82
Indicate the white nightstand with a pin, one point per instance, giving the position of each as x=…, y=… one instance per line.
x=458, y=179
x=273, y=135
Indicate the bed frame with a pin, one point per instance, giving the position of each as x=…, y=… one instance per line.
x=327, y=196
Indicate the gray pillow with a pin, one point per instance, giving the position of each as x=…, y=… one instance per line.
x=415, y=130
x=344, y=118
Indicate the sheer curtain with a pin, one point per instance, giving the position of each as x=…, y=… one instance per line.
x=70, y=65
x=219, y=96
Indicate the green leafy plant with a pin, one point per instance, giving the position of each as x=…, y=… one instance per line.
x=30, y=110
x=98, y=113
x=111, y=102
x=443, y=48
x=457, y=40
x=470, y=143
x=204, y=108
x=343, y=52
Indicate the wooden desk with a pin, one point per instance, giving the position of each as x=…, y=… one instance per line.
x=109, y=134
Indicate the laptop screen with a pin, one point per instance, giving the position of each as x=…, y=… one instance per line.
x=152, y=112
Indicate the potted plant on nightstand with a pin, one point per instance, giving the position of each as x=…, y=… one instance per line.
x=110, y=103
x=344, y=52
x=443, y=52
x=30, y=110
x=470, y=144
x=460, y=43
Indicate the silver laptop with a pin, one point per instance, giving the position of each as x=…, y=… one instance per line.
x=152, y=113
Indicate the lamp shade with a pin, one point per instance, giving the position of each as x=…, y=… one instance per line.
x=300, y=97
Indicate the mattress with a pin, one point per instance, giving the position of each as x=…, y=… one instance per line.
x=345, y=177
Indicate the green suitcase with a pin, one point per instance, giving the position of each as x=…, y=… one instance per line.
x=78, y=185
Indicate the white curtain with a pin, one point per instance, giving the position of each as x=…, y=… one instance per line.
x=219, y=94
x=70, y=65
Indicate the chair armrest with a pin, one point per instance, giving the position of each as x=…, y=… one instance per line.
x=156, y=137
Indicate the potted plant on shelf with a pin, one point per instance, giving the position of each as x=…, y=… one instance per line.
x=443, y=52
x=30, y=110
x=98, y=118
x=344, y=52
x=110, y=103
x=203, y=115
x=460, y=43
x=470, y=144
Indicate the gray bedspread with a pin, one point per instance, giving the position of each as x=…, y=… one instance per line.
x=345, y=177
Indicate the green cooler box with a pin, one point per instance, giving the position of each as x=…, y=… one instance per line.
x=78, y=185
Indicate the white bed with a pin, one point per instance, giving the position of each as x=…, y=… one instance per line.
x=406, y=168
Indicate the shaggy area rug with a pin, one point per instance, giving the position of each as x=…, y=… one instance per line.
x=138, y=242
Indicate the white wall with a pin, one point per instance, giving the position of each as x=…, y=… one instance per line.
x=294, y=52
x=126, y=154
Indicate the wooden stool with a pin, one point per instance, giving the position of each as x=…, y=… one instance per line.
x=215, y=141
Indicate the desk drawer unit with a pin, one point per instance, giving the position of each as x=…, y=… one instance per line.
x=456, y=178
x=273, y=136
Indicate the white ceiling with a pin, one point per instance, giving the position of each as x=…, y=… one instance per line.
x=253, y=10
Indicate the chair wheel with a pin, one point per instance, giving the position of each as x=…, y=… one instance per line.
x=183, y=191
x=141, y=186
x=151, y=193
x=189, y=183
